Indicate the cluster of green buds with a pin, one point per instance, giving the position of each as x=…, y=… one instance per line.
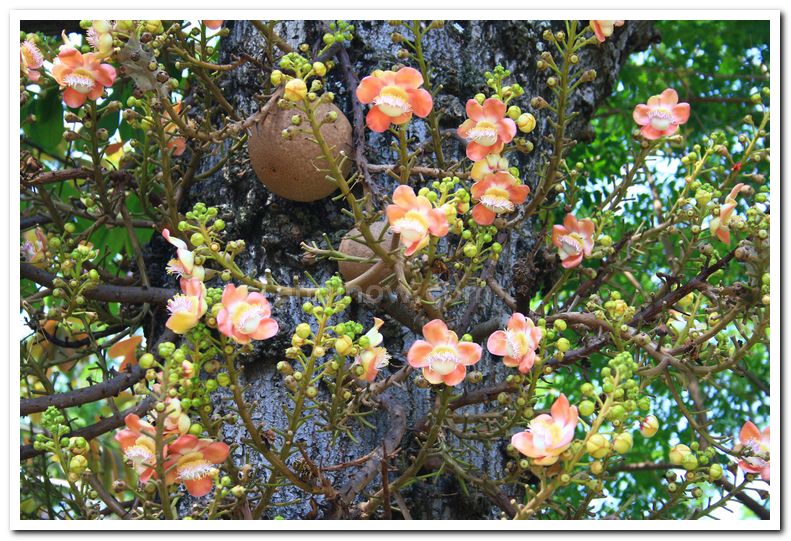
x=69, y=452
x=340, y=32
x=206, y=237
x=622, y=406
x=299, y=72
x=72, y=259
x=553, y=336
x=699, y=468
x=504, y=92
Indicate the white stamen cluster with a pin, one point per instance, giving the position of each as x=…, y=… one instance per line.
x=195, y=469
x=80, y=83
x=180, y=303
x=497, y=204
x=389, y=100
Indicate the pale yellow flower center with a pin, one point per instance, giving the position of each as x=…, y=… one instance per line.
x=497, y=200
x=570, y=245
x=182, y=304
x=393, y=101
x=443, y=360
x=413, y=226
x=660, y=118
x=484, y=133
x=516, y=344
x=246, y=317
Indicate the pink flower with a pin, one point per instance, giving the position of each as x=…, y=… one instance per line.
x=548, y=435
x=34, y=249
x=415, y=219
x=138, y=446
x=573, y=240
x=662, y=115
x=487, y=129
x=31, y=60
x=498, y=193
x=491, y=163
x=192, y=462
x=373, y=358
x=604, y=29
x=83, y=76
x=184, y=264
x=395, y=95
x=213, y=25
x=720, y=226
x=245, y=316
x=187, y=308
x=517, y=344
x=757, y=445
x=442, y=357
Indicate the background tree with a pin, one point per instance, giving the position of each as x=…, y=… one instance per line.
x=119, y=208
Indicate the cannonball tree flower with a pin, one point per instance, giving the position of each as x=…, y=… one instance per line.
x=395, y=95
x=573, y=239
x=81, y=76
x=213, y=25
x=498, y=193
x=662, y=115
x=548, y=435
x=126, y=348
x=187, y=308
x=491, y=163
x=486, y=129
x=604, y=29
x=441, y=356
x=192, y=462
x=30, y=60
x=34, y=247
x=373, y=358
x=184, y=264
x=756, y=443
x=517, y=344
x=414, y=218
x=245, y=316
x=138, y=446
x=720, y=225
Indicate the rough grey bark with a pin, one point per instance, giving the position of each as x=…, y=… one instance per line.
x=273, y=227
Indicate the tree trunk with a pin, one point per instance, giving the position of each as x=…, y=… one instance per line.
x=273, y=229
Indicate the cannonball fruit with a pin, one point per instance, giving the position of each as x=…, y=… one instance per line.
x=353, y=244
x=295, y=168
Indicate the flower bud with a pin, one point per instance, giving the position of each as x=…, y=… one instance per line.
x=622, y=443
x=689, y=462
x=678, y=453
x=344, y=345
x=598, y=446
x=526, y=122
x=320, y=69
x=296, y=90
x=649, y=426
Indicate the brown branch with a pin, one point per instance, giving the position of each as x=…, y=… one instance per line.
x=106, y=389
x=104, y=293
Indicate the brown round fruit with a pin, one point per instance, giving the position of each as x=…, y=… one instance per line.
x=295, y=168
x=353, y=244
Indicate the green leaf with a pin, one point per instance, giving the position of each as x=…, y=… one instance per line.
x=47, y=130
